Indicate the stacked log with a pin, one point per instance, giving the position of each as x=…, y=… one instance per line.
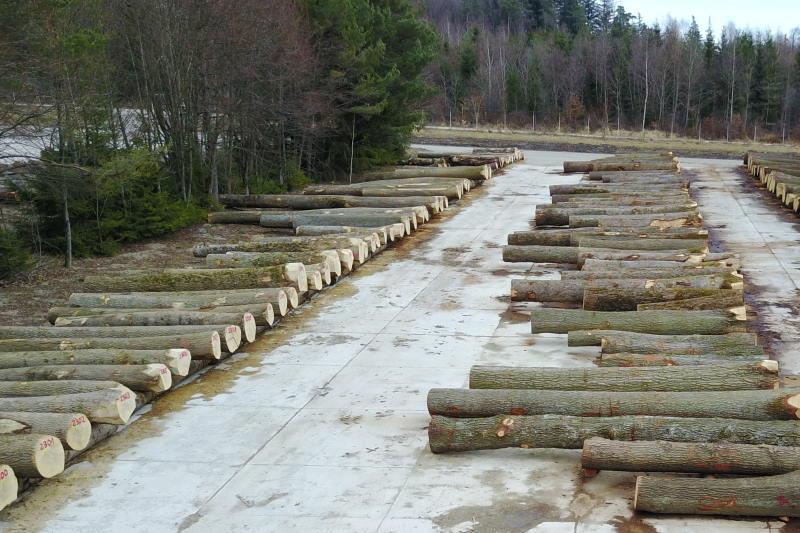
x=680, y=384
x=778, y=174
x=130, y=335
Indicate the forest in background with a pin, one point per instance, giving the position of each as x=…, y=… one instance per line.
x=590, y=65
x=145, y=111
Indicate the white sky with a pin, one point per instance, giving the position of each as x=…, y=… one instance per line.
x=783, y=15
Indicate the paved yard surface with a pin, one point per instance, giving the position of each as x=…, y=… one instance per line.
x=322, y=426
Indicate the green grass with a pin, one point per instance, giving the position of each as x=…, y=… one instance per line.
x=622, y=142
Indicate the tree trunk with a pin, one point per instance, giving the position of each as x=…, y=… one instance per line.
x=306, y=201
x=479, y=173
x=559, y=216
x=151, y=377
x=660, y=220
x=265, y=259
x=655, y=322
x=200, y=279
x=731, y=376
x=177, y=360
x=612, y=299
x=171, y=317
x=745, y=405
x=760, y=496
x=359, y=248
x=629, y=268
x=368, y=220
x=279, y=298
x=556, y=431
x=202, y=344
x=576, y=255
x=235, y=217
x=623, y=243
x=32, y=455
x=572, y=236
x=689, y=457
x=628, y=342
x=727, y=275
x=618, y=165
x=108, y=406
x=73, y=429
x=639, y=359
x=574, y=290
x=732, y=300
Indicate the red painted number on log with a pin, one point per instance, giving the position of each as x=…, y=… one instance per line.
x=184, y=354
x=124, y=396
x=3, y=474
x=46, y=443
x=231, y=329
x=78, y=420
x=163, y=370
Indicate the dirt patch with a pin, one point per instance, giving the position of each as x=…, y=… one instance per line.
x=633, y=524
x=26, y=301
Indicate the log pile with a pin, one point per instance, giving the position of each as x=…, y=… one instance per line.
x=130, y=336
x=777, y=173
x=680, y=385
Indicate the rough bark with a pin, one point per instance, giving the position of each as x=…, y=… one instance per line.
x=447, y=434
x=721, y=301
x=677, y=271
x=613, y=299
x=234, y=217
x=360, y=220
x=17, y=389
x=32, y=455
x=108, y=406
x=262, y=312
x=188, y=279
x=279, y=298
x=689, y=457
x=203, y=343
x=640, y=359
x=73, y=429
x=624, y=243
x=618, y=165
x=759, y=496
x=575, y=255
x=661, y=220
x=572, y=236
x=559, y=215
x=305, y=201
x=153, y=377
x=482, y=172
x=177, y=360
x=727, y=377
x=655, y=322
x=168, y=317
x=265, y=259
x=745, y=405
x=357, y=246
x=629, y=342
x=573, y=291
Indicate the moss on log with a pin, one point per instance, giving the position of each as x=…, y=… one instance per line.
x=200, y=279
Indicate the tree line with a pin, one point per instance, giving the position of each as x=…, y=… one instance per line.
x=578, y=65
x=149, y=109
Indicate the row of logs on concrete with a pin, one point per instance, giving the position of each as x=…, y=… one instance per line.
x=679, y=386
x=779, y=174
x=132, y=335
